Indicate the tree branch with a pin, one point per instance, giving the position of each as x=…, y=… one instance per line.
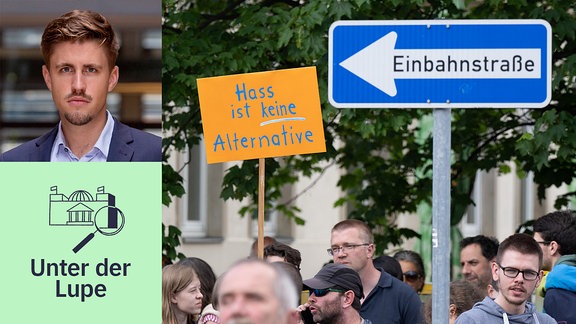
x=312, y=184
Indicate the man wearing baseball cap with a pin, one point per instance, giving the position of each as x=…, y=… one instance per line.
x=335, y=294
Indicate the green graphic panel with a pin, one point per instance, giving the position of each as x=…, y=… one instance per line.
x=47, y=210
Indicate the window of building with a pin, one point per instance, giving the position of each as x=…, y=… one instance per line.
x=270, y=223
x=202, y=211
x=472, y=220
x=194, y=212
x=200, y=216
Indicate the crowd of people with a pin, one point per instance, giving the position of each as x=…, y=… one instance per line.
x=498, y=282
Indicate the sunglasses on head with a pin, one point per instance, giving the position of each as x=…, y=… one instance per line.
x=323, y=292
x=411, y=275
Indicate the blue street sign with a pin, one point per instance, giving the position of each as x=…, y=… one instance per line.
x=440, y=64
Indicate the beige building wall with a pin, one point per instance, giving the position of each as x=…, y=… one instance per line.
x=220, y=251
x=506, y=206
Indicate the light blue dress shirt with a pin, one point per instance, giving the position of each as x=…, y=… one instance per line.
x=99, y=153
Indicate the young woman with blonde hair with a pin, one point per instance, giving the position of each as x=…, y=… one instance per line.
x=181, y=294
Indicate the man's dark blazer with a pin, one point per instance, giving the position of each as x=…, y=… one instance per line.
x=127, y=145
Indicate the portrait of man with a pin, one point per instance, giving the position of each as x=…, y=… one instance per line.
x=79, y=51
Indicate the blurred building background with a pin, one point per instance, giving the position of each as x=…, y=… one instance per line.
x=213, y=230
x=26, y=107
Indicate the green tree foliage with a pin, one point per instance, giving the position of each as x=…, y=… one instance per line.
x=386, y=153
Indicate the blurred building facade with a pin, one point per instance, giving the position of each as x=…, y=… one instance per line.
x=213, y=230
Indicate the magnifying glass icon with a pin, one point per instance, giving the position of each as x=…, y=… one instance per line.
x=108, y=220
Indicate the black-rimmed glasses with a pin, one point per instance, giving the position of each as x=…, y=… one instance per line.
x=323, y=292
x=544, y=242
x=344, y=248
x=510, y=272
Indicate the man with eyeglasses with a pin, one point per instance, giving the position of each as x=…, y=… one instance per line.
x=556, y=234
x=386, y=299
x=517, y=270
x=335, y=294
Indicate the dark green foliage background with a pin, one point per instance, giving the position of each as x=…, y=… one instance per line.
x=387, y=155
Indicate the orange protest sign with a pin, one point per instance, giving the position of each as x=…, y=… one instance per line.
x=263, y=114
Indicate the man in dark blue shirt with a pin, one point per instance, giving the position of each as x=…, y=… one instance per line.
x=387, y=299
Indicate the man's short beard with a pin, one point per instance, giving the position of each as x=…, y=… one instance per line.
x=330, y=316
x=516, y=303
x=78, y=118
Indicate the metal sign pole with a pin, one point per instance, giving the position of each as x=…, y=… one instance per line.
x=441, y=215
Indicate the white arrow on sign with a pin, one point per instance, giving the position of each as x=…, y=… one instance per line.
x=380, y=64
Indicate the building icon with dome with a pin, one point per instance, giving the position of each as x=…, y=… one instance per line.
x=79, y=208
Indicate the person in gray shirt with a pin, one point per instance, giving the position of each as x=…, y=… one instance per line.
x=518, y=271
